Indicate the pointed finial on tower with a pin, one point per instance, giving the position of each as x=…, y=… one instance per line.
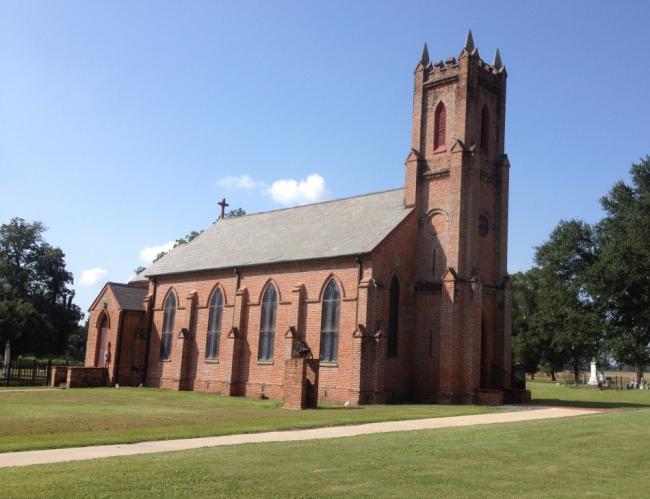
x=497, y=61
x=469, y=42
x=424, y=60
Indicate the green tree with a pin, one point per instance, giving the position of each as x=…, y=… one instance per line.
x=139, y=269
x=76, y=347
x=36, y=309
x=237, y=212
x=620, y=277
x=528, y=340
x=566, y=312
x=22, y=324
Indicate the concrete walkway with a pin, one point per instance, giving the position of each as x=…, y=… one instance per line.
x=27, y=458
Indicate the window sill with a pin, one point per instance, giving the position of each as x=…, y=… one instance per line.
x=165, y=360
x=265, y=362
x=211, y=361
x=329, y=364
x=440, y=150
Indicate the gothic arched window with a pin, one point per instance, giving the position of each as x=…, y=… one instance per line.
x=393, y=316
x=214, y=325
x=267, y=324
x=485, y=129
x=169, y=313
x=329, y=329
x=440, y=128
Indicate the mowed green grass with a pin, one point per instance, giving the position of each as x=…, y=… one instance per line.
x=549, y=393
x=602, y=455
x=68, y=418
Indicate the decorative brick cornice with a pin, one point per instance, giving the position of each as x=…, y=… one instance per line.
x=436, y=174
x=427, y=288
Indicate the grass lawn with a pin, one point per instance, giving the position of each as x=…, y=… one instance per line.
x=596, y=456
x=549, y=393
x=68, y=418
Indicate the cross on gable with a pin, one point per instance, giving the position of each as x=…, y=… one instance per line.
x=223, y=205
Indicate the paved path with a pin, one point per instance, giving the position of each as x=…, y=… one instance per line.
x=99, y=451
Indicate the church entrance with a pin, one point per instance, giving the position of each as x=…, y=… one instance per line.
x=102, y=349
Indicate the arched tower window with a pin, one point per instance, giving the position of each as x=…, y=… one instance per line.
x=169, y=311
x=393, y=316
x=440, y=128
x=329, y=329
x=267, y=324
x=214, y=325
x=485, y=129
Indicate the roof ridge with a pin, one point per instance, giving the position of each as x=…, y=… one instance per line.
x=310, y=204
x=125, y=284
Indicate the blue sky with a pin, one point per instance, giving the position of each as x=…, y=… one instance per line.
x=121, y=122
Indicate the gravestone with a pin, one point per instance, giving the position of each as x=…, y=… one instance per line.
x=593, y=377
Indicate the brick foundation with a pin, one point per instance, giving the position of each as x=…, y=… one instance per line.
x=86, y=377
x=488, y=397
x=59, y=376
x=517, y=396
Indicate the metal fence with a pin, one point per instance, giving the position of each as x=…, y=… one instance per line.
x=35, y=372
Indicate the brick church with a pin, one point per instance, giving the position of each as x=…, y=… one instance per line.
x=389, y=296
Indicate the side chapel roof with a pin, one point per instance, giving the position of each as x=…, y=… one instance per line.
x=128, y=297
x=349, y=226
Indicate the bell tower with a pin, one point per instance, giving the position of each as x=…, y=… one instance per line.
x=457, y=181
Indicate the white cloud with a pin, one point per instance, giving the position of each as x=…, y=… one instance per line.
x=93, y=276
x=148, y=253
x=290, y=191
x=241, y=182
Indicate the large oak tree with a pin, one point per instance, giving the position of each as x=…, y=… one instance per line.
x=620, y=277
x=36, y=310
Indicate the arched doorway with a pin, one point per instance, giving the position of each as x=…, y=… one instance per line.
x=102, y=342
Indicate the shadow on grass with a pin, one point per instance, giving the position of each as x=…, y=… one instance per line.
x=589, y=404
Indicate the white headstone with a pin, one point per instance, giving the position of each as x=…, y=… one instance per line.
x=7, y=360
x=593, y=377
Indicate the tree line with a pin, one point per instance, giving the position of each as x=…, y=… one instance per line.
x=588, y=294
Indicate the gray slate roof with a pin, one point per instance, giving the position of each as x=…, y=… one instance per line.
x=129, y=297
x=348, y=226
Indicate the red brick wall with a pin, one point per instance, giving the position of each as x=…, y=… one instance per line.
x=86, y=377
x=300, y=380
x=105, y=306
x=59, y=376
x=387, y=378
x=254, y=377
x=132, y=349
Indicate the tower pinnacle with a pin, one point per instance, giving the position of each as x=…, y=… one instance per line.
x=424, y=60
x=469, y=42
x=497, y=60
